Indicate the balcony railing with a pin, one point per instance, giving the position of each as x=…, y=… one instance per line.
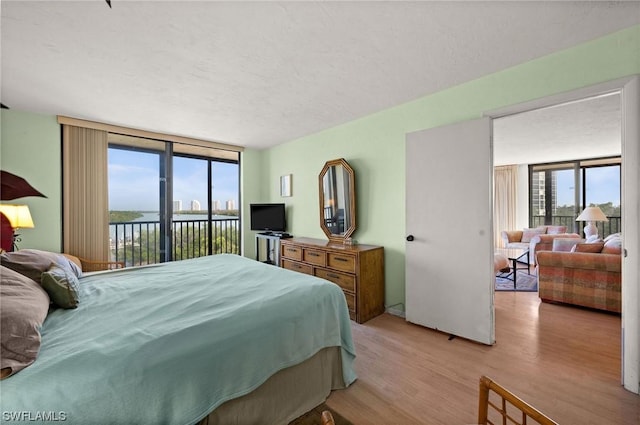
x=614, y=225
x=138, y=242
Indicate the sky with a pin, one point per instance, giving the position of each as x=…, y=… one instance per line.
x=603, y=185
x=134, y=176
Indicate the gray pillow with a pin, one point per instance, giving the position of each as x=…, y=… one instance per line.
x=61, y=284
x=23, y=309
x=33, y=262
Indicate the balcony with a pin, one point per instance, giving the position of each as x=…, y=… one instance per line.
x=614, y=225
x=138, y=242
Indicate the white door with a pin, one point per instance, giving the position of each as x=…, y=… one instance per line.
x=631, y=234
x=449, y=248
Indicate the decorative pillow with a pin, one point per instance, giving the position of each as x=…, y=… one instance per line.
x=33, y=262
x=61, y=284
x=613, y=246
x=613, y=236
x=556, y=230
x=527, y=234
x=565, y=244
x=75, y=261
x=594, y=239
x=23, y=309
x=594, y=247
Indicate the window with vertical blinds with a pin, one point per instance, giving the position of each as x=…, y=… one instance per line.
x=87, y=228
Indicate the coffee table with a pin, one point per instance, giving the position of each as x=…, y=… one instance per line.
x=515, y=255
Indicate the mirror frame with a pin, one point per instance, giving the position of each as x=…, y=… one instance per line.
x=351, y=226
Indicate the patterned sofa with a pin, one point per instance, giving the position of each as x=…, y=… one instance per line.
x=589, y=277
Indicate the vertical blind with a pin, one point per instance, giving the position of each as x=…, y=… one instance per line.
x=85, y=194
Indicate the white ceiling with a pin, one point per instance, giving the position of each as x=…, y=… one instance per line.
x=257, y=74
x=591, y=128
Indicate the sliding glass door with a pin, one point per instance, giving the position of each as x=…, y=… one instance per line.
x=205, y=213
x=558, y=192
x=166, y=205
x=602, y=188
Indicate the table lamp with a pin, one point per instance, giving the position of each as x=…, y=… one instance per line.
x=19, y=217
x=591, y=215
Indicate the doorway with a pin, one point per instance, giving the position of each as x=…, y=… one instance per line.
x=627, y=96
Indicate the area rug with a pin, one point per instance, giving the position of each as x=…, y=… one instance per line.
x=524, y=283
x=314, y=417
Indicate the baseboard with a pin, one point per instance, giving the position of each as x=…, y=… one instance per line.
x=396, y=312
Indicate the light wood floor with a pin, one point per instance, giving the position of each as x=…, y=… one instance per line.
x=563, y=360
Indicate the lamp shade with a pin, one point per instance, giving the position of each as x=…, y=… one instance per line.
x=592, y=214
x=18, y=215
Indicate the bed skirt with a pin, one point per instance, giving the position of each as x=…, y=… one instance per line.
x=286, y=395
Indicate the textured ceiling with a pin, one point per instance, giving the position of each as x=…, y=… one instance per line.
x=591, y=128
x=258, y=74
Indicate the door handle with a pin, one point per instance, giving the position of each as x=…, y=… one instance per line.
x=410, y=238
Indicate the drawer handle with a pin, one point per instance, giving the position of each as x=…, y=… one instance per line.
x=313, y=254
x=292, y=250
x=341, y=259
x=335, y=276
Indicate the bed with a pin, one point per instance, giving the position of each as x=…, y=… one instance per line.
x=218, y=339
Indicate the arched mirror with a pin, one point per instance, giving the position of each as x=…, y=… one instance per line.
x=337, y=199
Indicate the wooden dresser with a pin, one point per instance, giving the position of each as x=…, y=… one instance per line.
x=357, y=269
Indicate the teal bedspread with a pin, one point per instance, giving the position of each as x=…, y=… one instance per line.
x=145, y=345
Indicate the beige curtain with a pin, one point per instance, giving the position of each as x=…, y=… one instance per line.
x=85, y=193
x=505, y=191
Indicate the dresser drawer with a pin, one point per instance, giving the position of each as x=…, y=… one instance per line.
x=351, y=302
x=341, y=261
x=313, y=256
x=301, y=268
x=345, y=281
x=293, y=252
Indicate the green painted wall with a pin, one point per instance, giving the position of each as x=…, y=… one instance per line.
x=375, y=145
x=30, y=147
x=252, y=191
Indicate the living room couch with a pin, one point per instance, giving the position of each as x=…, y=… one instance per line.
x=589, y=277
x=537, y=239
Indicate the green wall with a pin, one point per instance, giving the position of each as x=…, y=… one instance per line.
x=375, y=145
x=30, y=147
x=251, y=164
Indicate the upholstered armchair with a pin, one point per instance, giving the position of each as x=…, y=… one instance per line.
x=530, y=238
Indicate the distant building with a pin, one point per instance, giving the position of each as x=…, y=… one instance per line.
x=177, y=205
x=231, y=205
x=195, y=205
x=539, y=193
x=217, y=205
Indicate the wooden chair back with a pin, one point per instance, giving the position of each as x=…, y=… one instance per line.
x=93, y=266
x=498, y=404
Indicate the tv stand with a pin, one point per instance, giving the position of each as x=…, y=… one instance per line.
x=273, y=244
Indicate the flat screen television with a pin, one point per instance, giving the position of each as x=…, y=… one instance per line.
x=268, y=217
